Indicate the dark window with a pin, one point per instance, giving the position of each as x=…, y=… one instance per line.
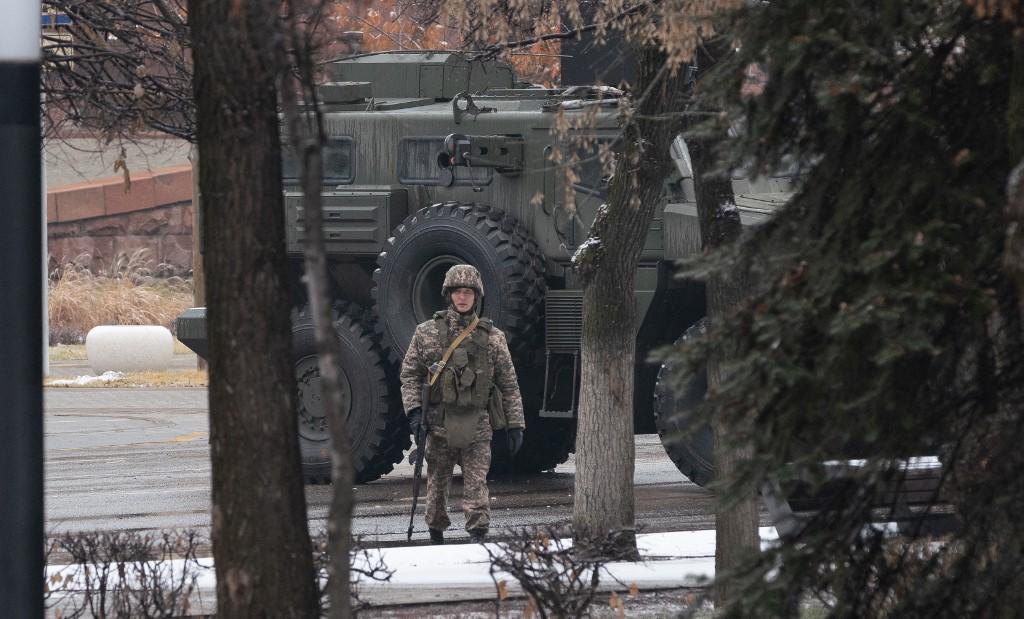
x=417, y=164
x=337, y=157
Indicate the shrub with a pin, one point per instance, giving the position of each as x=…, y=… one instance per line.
x=125, y=293
x=158, y=574
x=124, y=574
x=560, y=578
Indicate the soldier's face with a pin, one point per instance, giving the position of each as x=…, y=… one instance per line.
x=463, y=299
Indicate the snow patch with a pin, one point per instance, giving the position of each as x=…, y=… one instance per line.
x=424, y=574
x=672, y=559
x=592, y=242
x=80, y=381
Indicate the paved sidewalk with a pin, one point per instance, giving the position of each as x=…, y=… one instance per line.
x=78, y=160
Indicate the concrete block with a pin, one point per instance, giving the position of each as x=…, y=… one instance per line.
x=176, y=249
x=111, y=225
x=151, y=222
x=80, y=203
x=102, y=249
x=120, y=198
x=129, y=348
x=172, y=185
x=178, y=218
x=62, y=229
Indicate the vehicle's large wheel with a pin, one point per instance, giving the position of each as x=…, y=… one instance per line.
x=546, y=444
x=376, y=425
x=689, y=448
x=412, y=268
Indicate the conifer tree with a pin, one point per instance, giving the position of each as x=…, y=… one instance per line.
x=882, y=321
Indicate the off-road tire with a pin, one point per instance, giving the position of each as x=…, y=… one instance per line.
x=411, y=269
x=378, y=429
x=691, y=449
x=546, y=444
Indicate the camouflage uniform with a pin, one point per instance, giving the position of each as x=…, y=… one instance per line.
x=474, y=451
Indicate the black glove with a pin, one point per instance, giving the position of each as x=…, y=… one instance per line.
x=416, y=423
x=515, y=440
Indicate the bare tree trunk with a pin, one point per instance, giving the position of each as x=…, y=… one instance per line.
x=260, y=540
x=198, y=280
x=736, y=532
x=603, y=499
x=1015, y=106
x=198, y=276
x=339, y=527
x=1013, y=258
x=307, y=135
x=736, y=522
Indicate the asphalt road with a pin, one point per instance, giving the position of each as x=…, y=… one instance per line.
x=138, y=459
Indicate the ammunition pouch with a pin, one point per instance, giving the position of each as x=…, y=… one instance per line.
x=460, y=425
x=496, y=410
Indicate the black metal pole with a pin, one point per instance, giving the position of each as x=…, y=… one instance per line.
x=21, y=394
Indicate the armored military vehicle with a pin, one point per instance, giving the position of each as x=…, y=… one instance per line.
x=435, y=159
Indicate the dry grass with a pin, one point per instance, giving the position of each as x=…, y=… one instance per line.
x=169, y=378
x=76, y=352
x=126, y=293
x=67, y=352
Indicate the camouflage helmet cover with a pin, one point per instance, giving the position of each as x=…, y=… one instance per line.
x=462, y=276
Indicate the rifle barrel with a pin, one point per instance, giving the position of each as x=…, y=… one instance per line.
x=421, y=447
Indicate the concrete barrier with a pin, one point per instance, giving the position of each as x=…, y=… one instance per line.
x=123, y=348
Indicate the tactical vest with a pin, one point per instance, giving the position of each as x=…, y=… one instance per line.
x=461, y=392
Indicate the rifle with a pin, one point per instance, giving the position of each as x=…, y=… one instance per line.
x=421, y=447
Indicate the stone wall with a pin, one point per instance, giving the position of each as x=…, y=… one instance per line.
x=95, y=222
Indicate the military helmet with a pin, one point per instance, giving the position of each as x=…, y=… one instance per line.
x=462, y=276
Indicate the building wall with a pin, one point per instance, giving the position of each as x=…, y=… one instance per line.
x=95, y=222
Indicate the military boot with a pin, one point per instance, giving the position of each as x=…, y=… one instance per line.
x=477, y=536
x=436, y=537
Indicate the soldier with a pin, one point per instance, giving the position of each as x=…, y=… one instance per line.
x=458, y=422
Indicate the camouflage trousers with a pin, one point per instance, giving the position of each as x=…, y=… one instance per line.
x=476, y=460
